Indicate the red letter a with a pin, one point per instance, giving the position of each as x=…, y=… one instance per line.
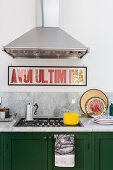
x=13, y=80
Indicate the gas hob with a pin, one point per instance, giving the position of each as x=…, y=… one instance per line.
x=44, y=122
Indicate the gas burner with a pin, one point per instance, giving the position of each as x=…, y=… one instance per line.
x=44, y=122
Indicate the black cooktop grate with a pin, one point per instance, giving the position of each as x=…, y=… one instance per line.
x=44, y=122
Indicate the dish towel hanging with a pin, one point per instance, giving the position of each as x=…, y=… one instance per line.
x=64, y=151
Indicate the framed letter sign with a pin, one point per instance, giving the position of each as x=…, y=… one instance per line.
x=47, y=76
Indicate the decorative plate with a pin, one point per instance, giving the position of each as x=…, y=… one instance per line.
x=92, y=93
x=107, y=122
x=95, y=105
x=104, y=118
x=104, y=123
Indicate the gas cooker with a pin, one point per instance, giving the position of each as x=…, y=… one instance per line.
x=44, y=122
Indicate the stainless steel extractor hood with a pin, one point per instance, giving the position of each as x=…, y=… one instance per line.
x=44, y=41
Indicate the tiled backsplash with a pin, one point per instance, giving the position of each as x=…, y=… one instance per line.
x=50, y=103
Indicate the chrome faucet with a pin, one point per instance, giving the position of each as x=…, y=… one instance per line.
x=29, y=113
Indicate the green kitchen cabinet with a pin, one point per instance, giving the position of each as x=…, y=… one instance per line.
x=25, y=151
x=82, y=153
x=103, y=151
x=35, y=151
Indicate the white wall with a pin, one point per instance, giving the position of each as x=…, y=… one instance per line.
x=90, y=21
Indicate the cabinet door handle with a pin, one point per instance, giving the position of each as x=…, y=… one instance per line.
x=49, y=137
x=45, y=137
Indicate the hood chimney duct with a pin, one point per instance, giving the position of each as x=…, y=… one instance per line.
x=47, y=13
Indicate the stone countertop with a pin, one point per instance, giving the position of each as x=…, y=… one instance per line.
x=88, y=126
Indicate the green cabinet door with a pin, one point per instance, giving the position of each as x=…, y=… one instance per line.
x=103, y=151
x=82, y=153
x=1, y=151
x=25, y=152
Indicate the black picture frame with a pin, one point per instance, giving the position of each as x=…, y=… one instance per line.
x=48, y=84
